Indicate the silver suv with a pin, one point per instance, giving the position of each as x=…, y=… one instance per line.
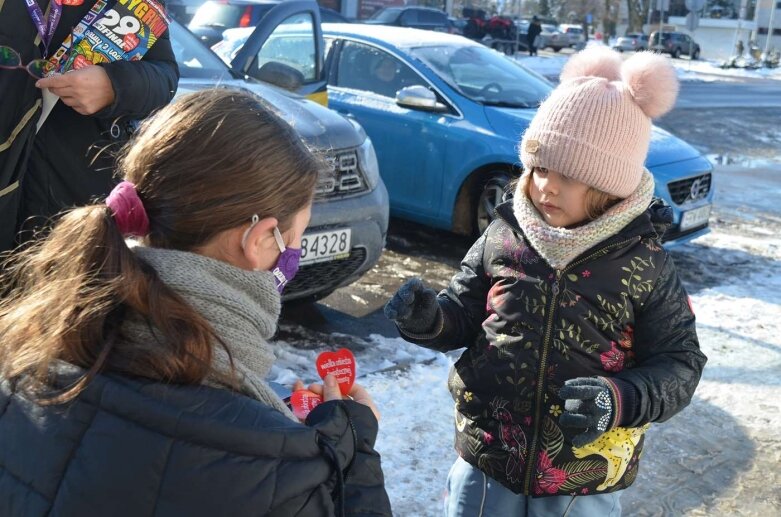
x=572, y=35
x=349, y=222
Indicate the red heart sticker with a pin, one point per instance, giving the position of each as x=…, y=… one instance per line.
x=341, y=364
x=303, y=402
x=81, y=62
x=130, y=41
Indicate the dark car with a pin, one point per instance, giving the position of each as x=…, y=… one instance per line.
x=414, y=17
x=213, y=17
x=675, y=44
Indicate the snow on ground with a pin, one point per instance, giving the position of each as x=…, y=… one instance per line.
x=709, y=70
x=720, y=456
x=687, y=70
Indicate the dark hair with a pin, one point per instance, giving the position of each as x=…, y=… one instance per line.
x=202, y=165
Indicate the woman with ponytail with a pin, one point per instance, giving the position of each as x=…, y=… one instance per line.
x=132, y=378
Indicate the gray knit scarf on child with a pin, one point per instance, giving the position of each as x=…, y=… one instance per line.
x=560, y=246
x=241, y=306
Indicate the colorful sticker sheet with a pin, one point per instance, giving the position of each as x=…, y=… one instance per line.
x=123, y=31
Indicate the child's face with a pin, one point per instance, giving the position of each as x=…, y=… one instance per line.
x=561, y=201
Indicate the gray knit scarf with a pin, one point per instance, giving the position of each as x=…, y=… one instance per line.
x=560, y=246
x=241, y=306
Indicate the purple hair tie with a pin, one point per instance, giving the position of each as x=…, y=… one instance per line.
x=128, y=210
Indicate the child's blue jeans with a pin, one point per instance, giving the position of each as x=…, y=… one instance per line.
x=471, y=493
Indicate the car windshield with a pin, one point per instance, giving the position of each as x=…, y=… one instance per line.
x=212, y=14
x=548, y=28
x=385, y=15
x=195, y=60
x=485, y=76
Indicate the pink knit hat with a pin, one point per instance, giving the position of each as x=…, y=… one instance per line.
x=595, y=127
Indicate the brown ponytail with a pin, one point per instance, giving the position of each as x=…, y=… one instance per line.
x=201, y=166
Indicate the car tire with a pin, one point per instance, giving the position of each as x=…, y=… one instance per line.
x=676, y=53
x=556, y=49
x=696, y=54
x=487, y=197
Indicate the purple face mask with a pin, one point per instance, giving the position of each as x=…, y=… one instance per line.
x=287, y=263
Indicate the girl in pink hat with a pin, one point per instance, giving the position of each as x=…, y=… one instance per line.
x=578, y=334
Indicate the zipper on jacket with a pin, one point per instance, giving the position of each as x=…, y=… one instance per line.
x=531, y=464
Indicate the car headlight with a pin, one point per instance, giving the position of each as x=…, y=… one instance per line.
x=367, y=161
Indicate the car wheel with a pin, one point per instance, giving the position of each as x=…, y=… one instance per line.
x=490, y=195
x=676, y=53
x=556, y=49
x=696, y=54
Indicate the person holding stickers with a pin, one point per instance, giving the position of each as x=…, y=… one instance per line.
x=137, y=374
x=69, y=160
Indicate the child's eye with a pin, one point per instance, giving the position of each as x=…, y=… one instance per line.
x=542, y=170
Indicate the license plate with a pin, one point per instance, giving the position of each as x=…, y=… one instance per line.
x=324, y=246
x=696, y=217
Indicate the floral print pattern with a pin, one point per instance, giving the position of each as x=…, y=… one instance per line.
x=549, y=478
x=613, y=360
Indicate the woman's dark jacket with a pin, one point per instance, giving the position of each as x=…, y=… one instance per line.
x=60, y=167
x=142, y=448
x=618, y=311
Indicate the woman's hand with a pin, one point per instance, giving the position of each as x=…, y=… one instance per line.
x=87, y=90
x=330, y=391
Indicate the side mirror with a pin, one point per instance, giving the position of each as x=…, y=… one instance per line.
x=419, y=98
x=281, y=75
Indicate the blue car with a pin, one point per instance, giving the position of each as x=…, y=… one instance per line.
x=445, y=115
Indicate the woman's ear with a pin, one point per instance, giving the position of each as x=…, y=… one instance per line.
x=259, y=242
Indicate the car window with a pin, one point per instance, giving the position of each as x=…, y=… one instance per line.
x=217, y=15
x=194, y=60
x=328, y=16
x=367, y=68
x=386, y=15
x=484, y=75
x=293, y=44
x=431, y=17
x=409, y=17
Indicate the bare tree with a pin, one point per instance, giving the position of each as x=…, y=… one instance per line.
x=638, y=11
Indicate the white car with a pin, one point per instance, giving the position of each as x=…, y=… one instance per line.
x=550, y=37
x=632, y=42
x=573, y=35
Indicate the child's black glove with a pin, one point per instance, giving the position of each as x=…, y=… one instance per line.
x=414, y=307
x=588, y=405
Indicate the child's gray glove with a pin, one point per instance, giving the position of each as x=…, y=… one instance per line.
x=588, y=405
x=414, y=307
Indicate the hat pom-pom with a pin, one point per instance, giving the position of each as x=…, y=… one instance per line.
x=652, y=81
x=593, y=62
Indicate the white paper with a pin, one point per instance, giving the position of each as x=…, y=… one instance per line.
x=49, y=100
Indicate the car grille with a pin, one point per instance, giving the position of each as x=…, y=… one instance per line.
x=342, y=177
x=690, y=189
x=324, y=276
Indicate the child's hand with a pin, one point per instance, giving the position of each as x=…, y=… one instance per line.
x=588, y=405
x=414, y=307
